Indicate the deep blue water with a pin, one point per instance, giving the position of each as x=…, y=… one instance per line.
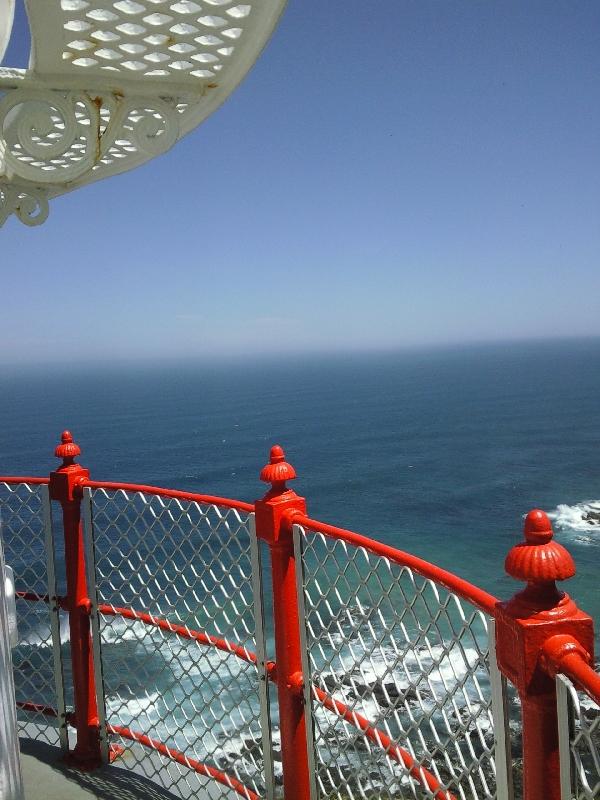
x=438, y=452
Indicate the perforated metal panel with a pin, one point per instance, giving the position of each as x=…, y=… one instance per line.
x=406, y=664
x=28, y=549
x=194, y=688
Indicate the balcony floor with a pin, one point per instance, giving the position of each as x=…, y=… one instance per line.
x=45, y=777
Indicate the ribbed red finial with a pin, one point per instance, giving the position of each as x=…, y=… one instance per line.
x=539, y=559
x=277, y=470
x=67, y=449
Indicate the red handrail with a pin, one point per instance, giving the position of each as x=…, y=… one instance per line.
x=473, y=594
x=181, y=758
x=336, y=706
x=37, y=708
x=381, y=739
x=175, y=755
x=33, y=596
x=478, y=597
x=12, y=479
x=564, y=654
x=206, y=499
x=180, y=630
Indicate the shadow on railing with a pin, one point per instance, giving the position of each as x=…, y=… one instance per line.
x=383, y=666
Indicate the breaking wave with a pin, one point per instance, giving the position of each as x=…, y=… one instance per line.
x=581, y=518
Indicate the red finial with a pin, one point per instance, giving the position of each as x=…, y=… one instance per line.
x=277, y=471
x=539, y=559
x=67, y=449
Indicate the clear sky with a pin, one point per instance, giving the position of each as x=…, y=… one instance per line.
x=391, y=173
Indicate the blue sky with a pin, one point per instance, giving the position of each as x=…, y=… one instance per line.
x=389, y=174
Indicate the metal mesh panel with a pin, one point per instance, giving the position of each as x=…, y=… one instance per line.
x=584, y=743
x=190, y=564
x=408, y=656
x=24, y=512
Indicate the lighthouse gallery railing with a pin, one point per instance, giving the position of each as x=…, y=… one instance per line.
x=379, y=678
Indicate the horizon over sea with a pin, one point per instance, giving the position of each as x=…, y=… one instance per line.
x=439, y=452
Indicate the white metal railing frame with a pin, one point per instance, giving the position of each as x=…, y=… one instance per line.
x=11, y=781
x=30, y=546
x=441, y=761
x=436, y=609
x=579, y=741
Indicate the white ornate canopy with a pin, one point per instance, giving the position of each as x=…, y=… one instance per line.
x=113, y=83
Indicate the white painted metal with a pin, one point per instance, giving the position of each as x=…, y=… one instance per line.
x=194, y=565
x=405, y=654
x=114, y=83
x=11, y=785
x=25, y=511
x=261, y=660
x=54, y=609
x=308, y=704
x=504, y=781
x=11, y=606
x=563, y=705
x=90, y=568
x=7, y=12
x=579, y=742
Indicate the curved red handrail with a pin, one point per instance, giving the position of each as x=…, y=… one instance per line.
x=473, y=594
x=564, y=654
x=38, y=708
x=12, y=479
x=180, y=630
x=206, y=499
x=181, y=758
x=33, y=596
x=375, y=735
x=394, y=751
x=175, y=755
x=582, y=674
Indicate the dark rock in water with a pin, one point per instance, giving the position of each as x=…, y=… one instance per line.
x=592, y=517
x=591, y=713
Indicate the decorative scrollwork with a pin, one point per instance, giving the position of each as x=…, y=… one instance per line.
x=62, y=140
x=30, y=204
x=49, y=137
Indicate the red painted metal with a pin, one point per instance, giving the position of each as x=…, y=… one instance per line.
x=181, y=630
x=175, y=755
x=33, y=597
x=524, y=624
x=205, y=499
x=540, y=632
x=381, y=739
x=37, y=708
x=181, y=758
x=63, y=488
x=478, y=597
x=563, y=654
x=13, y=479
x=273, y=526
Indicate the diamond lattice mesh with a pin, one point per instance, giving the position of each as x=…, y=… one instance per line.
x=154, y=38
x=22, y=522
x=584, y=744
x=191, y=565
x=411, y=658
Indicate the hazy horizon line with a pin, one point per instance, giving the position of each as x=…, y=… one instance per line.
x=129, y=361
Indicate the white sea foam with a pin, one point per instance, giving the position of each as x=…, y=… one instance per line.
x=581, y=518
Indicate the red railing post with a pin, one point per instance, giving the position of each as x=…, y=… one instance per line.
x=64, y=483
x=523, y=625
x=274, y=514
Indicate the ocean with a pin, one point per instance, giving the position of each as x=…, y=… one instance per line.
x=437, y=452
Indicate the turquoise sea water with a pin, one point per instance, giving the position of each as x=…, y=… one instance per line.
x=437, y=452
x=440, y=453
